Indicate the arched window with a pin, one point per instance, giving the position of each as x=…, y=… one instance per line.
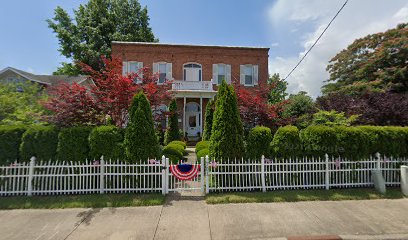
x=192, y=72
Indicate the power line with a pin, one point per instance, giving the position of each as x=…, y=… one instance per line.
x=328, y=25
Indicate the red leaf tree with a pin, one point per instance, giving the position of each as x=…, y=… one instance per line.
x=254, y=107
x=110, y=95
x=72, y=105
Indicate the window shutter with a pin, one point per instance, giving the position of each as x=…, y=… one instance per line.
x=140, y=67
x=215, y=74
x=124, y=68
x=255, y=72
x=169, y=70
x=242, y=74
x=228, y=73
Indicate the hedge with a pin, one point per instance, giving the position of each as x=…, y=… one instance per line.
x=10, y=140
x=39, y=141
x=183, y=144
x=286, y=142
x=73, y=144
x=202, y=153
x=202, y=145
x=352, y=142
x=106, y=141
x=174, y=152
x=319, y=140
x=257, y=143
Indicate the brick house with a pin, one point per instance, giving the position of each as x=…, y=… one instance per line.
x=195, y=72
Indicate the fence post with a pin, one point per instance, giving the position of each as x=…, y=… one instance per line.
x=30, y=176
x=263, y=173
x=202, y=174
x=102, y=176
x=327, y=176
x=207, y=175
x=167, y=175
x=163, y=163
x=378, y=156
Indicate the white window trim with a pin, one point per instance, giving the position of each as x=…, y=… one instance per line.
x=201, y=73
x=169, y=78
x=253, y=75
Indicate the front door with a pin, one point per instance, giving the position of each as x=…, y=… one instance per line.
x=192, y=123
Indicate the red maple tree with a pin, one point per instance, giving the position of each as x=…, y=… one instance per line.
x=72, y=104
x=254, y=107
x=110, y=95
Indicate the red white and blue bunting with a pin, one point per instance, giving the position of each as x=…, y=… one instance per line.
x=185, y=171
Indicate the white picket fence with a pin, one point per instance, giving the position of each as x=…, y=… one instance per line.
x=299, y=173
x=55, y=178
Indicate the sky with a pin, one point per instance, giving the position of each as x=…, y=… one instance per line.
x=288, y=27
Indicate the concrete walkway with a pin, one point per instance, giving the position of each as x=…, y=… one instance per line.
x=188, y=217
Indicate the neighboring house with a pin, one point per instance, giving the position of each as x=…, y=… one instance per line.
x=195, y=72
x=9, y=74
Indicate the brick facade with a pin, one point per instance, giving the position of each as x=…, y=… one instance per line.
x=178, y=55
x=206, y=56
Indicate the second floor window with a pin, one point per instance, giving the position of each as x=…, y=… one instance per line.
x=249, y=75
x=221, y=72
x=163, y=69
x=132, y=67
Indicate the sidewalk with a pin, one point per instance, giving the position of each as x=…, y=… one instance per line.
x=188, y=217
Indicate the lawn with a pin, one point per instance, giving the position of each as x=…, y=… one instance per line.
x=301, y=195
x=81, y=201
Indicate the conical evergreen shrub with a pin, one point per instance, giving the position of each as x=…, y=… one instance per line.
x=172, y=131
x=209, y=115
x=140, y=139
x=227, y=131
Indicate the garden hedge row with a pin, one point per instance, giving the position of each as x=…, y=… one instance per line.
x=10, y=140
x=351, y=142
x=73, y=144
x=257, y=143
x=106, y=141
x=39, y=141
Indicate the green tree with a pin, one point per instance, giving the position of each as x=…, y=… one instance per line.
x=278, y=91
x=299, y=109
x=332, y=118
x=209, y=115
x=140, y=139
x=20, y=103
x=172, y=131
x=95, y=25
x=376, y=62
x=227, y=133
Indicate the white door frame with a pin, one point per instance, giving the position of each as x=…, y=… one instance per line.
x=197, y=71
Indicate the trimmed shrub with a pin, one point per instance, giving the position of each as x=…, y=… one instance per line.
x=140, y=139
x=73, y=144
x=172, y=132
x=10, y=140
x=319, y=140
x=390, y=141
x=202, y=145
x=227, y=130
x=183, y=144
x=106, y=141
x=39, y=141
x=174, y=152
x=179, y=147
x=202, y=153
x=209, y=116
x=258, y=141
x=352, y=142
x=286, y=142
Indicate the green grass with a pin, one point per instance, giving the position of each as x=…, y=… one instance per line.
x=302, y=195
x=81, y=201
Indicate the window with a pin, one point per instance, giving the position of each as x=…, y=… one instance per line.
x=221, y=73
x=132, y=67
x=163, y=69
x=249, y=75
x=162, y=72
x=192, y=72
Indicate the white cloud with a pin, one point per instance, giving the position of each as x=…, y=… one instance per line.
x=357, y=19
x=275, y=44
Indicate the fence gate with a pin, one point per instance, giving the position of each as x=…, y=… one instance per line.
x=172, y=184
